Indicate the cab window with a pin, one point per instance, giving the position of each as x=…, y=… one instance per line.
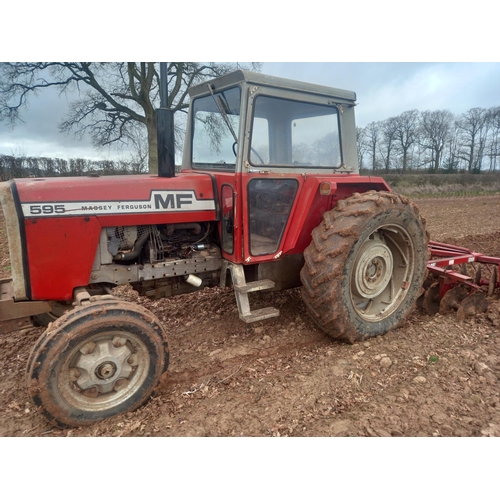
x=216, y=120
x=291, y=133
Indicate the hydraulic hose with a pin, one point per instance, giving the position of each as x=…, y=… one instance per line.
x=134, y=253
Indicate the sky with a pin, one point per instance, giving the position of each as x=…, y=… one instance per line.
x=391, y=54
x=383, y=90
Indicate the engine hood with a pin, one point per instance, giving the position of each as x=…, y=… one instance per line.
x=115, y=195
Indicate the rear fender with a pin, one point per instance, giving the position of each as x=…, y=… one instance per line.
x=310, y=205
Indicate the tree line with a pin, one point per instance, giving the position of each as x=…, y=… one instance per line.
x=433, y=141
x=15, y=166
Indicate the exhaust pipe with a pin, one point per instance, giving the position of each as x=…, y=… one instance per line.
x=165, y=129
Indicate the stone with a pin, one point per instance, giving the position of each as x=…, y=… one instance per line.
x=385, y=362
x=492, y=430
x=439, y=417
x=481, y=368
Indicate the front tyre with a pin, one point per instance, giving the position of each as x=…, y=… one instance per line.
x=97, y=361
x=365, y=266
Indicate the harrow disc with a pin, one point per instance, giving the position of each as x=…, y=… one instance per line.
x=493, y=281
x=473, y=304
x=477, y=277
x=463, y=270
x=431, y=299
x=452, y=299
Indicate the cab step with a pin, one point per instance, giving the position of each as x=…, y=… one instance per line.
x=260, y=314
x=255, y=286
x=241, y=291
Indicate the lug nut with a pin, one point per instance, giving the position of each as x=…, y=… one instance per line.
x=88, y=348
x=132, y=360
x=120, y=384
x=92, y=392
x=74, y=374
x=119, y=341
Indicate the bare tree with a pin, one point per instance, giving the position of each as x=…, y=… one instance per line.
x=373, y=136
x=389, y=130
x=435, y=129
x=361, y=145
x=473, y=127
x=493, y=145
x=112, y=97
x=451, y=153
x=406, y=134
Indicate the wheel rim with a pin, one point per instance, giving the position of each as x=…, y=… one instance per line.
x=383, y=268
x=104, y=371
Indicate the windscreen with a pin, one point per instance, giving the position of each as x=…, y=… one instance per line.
x=216, y=121
x=294, y=133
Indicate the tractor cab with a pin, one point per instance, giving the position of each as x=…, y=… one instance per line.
x=269, y=142
x=251, y=123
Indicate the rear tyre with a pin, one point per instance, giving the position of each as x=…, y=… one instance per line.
x=365, y=266
x=97, y=361
x=57, y=310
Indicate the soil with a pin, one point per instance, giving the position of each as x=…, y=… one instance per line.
x=432, y=376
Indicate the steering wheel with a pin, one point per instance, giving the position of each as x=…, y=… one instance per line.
x=235, y=143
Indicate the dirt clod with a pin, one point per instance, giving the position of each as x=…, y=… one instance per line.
x=385, y=362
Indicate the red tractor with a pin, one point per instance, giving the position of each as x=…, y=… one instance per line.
x=269, y=197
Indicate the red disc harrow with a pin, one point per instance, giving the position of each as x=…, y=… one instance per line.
x=456, y=273
x=443, y=256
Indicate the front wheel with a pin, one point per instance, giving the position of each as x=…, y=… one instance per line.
x=97, y=361
x=365, y=266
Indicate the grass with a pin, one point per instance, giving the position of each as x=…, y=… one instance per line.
x=445, y=194
x=445, y=185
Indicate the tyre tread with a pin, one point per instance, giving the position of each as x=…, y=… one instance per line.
x=326, y=256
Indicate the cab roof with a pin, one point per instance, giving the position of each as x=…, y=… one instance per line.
x=251, y=78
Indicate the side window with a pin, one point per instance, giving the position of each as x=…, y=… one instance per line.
x=227, y=196
x=270, y=203
x=260, y=141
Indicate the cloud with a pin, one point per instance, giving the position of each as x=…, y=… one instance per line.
x=383, y=90
x=388, y=89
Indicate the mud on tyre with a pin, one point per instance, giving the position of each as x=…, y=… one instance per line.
x=97, y=361
x=365, y=265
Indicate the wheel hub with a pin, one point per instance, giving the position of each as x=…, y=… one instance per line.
x=373, y=269
x=106, y=370
x=101, y=364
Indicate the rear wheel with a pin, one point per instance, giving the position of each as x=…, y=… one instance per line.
x=97, y=361
x=57, y=310
x=365, y=266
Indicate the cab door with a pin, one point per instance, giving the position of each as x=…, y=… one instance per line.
x=268, y=202
x=291, y=139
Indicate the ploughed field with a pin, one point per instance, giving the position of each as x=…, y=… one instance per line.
x=433, y=376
